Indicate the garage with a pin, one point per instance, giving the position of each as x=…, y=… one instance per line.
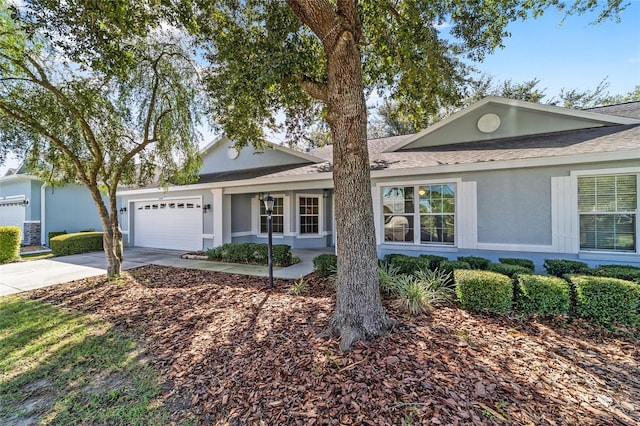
x=170, y=224
x=12, y=211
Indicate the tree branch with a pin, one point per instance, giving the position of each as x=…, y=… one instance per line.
x=313, y=88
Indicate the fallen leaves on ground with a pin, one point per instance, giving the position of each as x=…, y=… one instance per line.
x=233, y=352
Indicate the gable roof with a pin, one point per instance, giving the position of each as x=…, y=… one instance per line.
x=269, y=146
x=496, y=118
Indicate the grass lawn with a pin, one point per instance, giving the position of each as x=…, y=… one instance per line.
x=227, y=351
x=64, y=368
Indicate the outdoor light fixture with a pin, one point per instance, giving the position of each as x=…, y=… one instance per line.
x=123, y=210
x=268, y=206
x=206, y=208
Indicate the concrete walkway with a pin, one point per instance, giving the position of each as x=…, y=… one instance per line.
x=23, y=276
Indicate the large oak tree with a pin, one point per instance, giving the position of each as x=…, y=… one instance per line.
x=320, y=58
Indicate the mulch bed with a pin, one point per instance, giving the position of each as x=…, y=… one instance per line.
x=234, y=353
x=30, y=249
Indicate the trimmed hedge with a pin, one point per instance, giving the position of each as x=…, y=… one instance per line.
x=623, y=272
x=483, y=290
x=607, y=300
x=560, y=267
x=542, y=294
x=10, y=237
x=475, y=262
x=251, y=253
x=407, y=264
x=325, y=265
x=52, y=234
x=434, y=259
x=82, y=242
x=512, y=271
x=452, y=265
x=525, y=263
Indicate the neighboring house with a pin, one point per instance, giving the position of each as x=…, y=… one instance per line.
x=502, y=178
x=39, y=209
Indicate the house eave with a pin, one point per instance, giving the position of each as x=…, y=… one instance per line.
x=327, y=177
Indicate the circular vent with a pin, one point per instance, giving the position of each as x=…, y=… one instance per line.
x=489, y=123
x=232, y=153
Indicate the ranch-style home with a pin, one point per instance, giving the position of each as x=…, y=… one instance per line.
x=27, y=202
x=502, y=178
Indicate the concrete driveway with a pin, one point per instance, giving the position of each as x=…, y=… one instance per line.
x=23, y=276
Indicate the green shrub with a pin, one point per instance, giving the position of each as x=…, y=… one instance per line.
x=52, y=234
x=525, y=263
x=83, y=242
x=483, y=290
x=438, y=285
x=251, y=253
x=623, y=272
x=10, y=237
x=607, y=300
x=542, y=294
x=451, y=265
x=325, y=265
x=408, y=264
x=434, y=260
x=475, y=262
x=387, y=277
x=560, y=267
x=512, y=271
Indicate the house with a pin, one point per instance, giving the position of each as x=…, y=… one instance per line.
x=27, y=202
x=501, y=178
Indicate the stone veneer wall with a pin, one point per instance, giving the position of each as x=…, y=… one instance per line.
x=32, y=233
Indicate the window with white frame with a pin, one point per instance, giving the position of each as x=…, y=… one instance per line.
x=608, y=207
x=309, y=215
x=277, y=216
x=431, y=207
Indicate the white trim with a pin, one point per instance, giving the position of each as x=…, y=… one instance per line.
x=31, y=221
x=320, y=198
x=242, y=234
x=588, y=115
x=286, y=212
x=18, y=177
x=533, y=248
x=43, y=227
x=268, y=146
x=610, y=172
x=418, y=247
x=605, y=256
x=125, y=233
x=207, y=236
x=380, y=238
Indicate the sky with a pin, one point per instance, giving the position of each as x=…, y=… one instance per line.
x=574, y=55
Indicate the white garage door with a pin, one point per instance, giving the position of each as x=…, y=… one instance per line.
x=170, y=224
x=12, y=213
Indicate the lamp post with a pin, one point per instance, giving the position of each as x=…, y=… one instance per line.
x=268, y=206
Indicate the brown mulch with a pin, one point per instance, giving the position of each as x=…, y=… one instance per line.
x=234, y=353
x=29, y=249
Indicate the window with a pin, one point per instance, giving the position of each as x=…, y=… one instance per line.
x=434, y=211
x=309, y=215
x=608, y=207
x=277, y=216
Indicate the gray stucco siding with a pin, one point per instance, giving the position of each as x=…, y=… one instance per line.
x=216, y=160
x=241, y=213
x=70, y=208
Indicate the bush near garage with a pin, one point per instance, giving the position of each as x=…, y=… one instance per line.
x=542, y=294
x=623, y=272
x=251, y=253
x=325, y=265
x=10, y=237
x=81, y=242
x=483, y=290
x=52, y=234
x=607, y=300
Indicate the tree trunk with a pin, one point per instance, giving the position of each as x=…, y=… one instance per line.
x=359, y=314
x=112, y=235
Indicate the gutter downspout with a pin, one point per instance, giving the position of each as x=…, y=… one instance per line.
x=43, y=234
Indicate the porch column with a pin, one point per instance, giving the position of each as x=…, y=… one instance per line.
x=375, y=194
x=221, y=217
